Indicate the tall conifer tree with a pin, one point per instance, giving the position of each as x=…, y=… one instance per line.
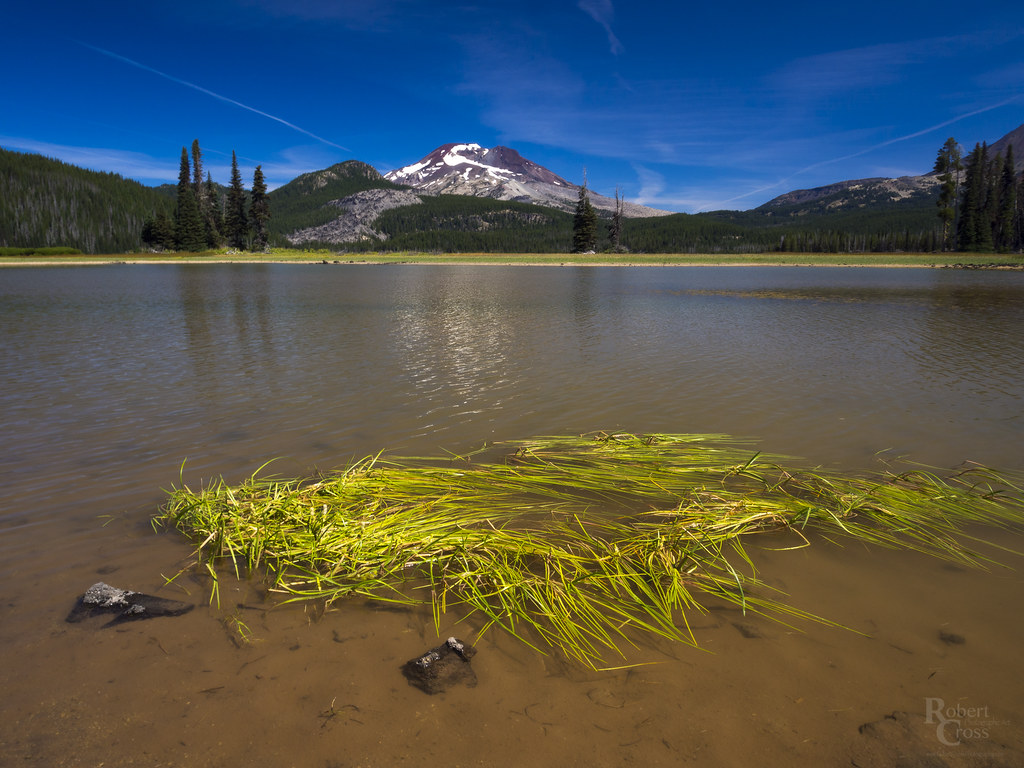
x=584, y=223
x=615, y=227
x=188, y=226
x=236, y=227
x=948, y=166
x=1005, y=238
x=974, y=231
x=215, y=215
x=987, y=221
x=197, y=170
x=1019, y=217
x=259, y=210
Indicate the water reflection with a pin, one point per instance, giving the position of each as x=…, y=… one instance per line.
x=113, y=375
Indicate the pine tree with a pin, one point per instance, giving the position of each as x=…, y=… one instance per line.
x=948, y=166
x=235, y=224
x=197, y=173
x=986, y=224
x=259, y=210
x=1005, y=230
x=188, y=226
x=163, y=231
x=974, y=231
x=615, y=228
x=584, y=223
x=1019, y=217
x=215, y=215
x=158, y=232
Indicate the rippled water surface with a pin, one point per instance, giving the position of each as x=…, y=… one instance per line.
x=111, y=377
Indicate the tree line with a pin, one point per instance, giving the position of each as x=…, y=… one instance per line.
x=205, y=216
x=980, y=199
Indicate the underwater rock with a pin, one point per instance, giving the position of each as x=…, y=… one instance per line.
x=440, y=668
x=128, y=605
x=951, y=638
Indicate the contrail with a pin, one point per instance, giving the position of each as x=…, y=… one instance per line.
x=872, y=148
x=199, y=88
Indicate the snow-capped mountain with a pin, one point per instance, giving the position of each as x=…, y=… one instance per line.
x=500, y=173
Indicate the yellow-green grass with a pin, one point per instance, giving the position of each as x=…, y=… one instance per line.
x=578, y=543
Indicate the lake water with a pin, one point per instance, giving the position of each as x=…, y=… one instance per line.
x=111, y=377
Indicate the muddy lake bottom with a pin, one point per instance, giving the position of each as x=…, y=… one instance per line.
x=326, y=689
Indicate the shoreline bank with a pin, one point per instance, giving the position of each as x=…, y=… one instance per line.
x=881, y=260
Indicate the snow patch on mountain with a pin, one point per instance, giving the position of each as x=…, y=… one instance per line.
x=500, y=173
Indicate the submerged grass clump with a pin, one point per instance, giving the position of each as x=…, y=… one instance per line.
x=573, y=542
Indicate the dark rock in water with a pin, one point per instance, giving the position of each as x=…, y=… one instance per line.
x=749, y=631
x=128, y=605
x=440, y=668
x=951, y=638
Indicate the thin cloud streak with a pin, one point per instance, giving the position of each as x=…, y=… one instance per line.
x=602, y=12
x=208, y=92
x=128, y=164
x=872, y=148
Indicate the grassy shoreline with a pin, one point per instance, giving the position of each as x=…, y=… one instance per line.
x=294, y=256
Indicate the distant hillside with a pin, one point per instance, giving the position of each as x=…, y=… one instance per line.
x=51, y=203
x=876, y=194
x=859, y=215
x=1014, y=138
x=305, y=202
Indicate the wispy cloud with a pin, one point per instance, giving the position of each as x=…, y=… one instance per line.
x=876, y=66
x=652, y=185
x=214, y=95
x=603, y=13
x=526, y=95
x=867, y=150
x=371, y=15
x=135, y=165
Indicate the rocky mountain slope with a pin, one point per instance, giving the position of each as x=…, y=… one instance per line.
x=355, y=215
x=1014, y=138
x=855, y=194
x=335, y=205
x=880, y=192
x=503, y=174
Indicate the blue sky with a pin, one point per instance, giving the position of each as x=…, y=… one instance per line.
x=684, y=106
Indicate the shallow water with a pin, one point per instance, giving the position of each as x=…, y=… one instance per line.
x=112, y=376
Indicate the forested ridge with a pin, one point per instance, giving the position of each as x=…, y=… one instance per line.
x=46, y=202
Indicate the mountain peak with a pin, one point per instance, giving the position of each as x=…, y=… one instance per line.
x=500, y=173
x=471, y=165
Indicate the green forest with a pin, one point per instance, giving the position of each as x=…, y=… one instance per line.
x=47, y=203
